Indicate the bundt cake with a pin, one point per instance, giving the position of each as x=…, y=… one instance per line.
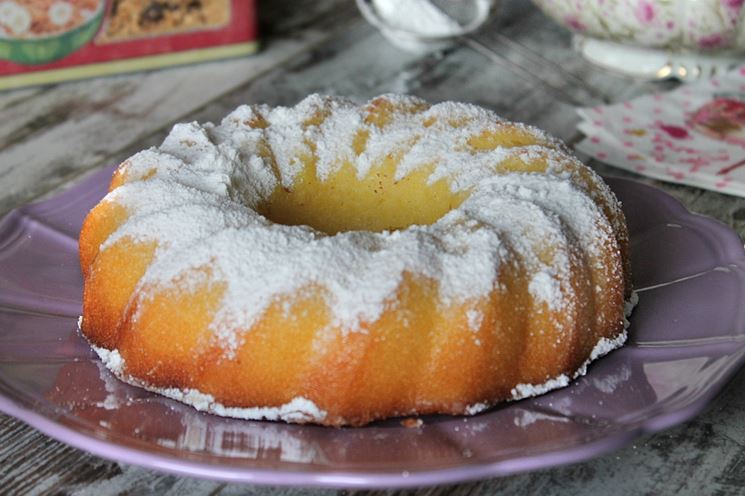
x=338, y=263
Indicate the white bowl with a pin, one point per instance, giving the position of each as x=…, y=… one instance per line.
x=432, y=30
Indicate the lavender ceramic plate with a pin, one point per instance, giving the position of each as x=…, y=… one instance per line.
x=687, y=339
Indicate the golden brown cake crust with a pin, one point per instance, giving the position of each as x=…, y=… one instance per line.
x=509, y=263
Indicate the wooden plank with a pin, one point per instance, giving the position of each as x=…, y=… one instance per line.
x=11, y=98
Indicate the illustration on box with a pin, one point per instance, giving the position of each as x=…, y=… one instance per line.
x=43, y=31
x=723, y=118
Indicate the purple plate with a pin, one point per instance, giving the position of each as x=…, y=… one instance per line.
x=687, y=339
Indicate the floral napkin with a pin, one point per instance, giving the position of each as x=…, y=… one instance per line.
x=693, y=135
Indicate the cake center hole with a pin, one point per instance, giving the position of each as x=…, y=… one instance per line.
x=378, y=202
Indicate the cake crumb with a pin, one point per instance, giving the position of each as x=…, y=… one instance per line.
x=412, y=422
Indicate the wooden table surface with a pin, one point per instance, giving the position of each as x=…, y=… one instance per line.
x=51, y=137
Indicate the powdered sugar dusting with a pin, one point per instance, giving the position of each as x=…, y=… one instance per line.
x=474, y=319
x=545, y=288
x=629, y=307
x=522, y=391
x=298, y=410
x=111, y=359
x=196, y=195
x=476, y=408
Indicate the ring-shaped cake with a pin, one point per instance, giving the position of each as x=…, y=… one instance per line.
x=338, y=263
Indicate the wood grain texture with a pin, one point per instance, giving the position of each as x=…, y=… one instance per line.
x=51, y=136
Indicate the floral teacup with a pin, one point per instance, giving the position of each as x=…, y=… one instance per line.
x=699, y=31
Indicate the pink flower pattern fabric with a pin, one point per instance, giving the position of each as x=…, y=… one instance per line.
x=693, y=135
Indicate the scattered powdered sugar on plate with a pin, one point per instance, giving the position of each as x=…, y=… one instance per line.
x=298, y=410
x=476, y=408
x=111, y=358
x=528, y=417
x=109, y=403
x=522, y=391
x=628, y=307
